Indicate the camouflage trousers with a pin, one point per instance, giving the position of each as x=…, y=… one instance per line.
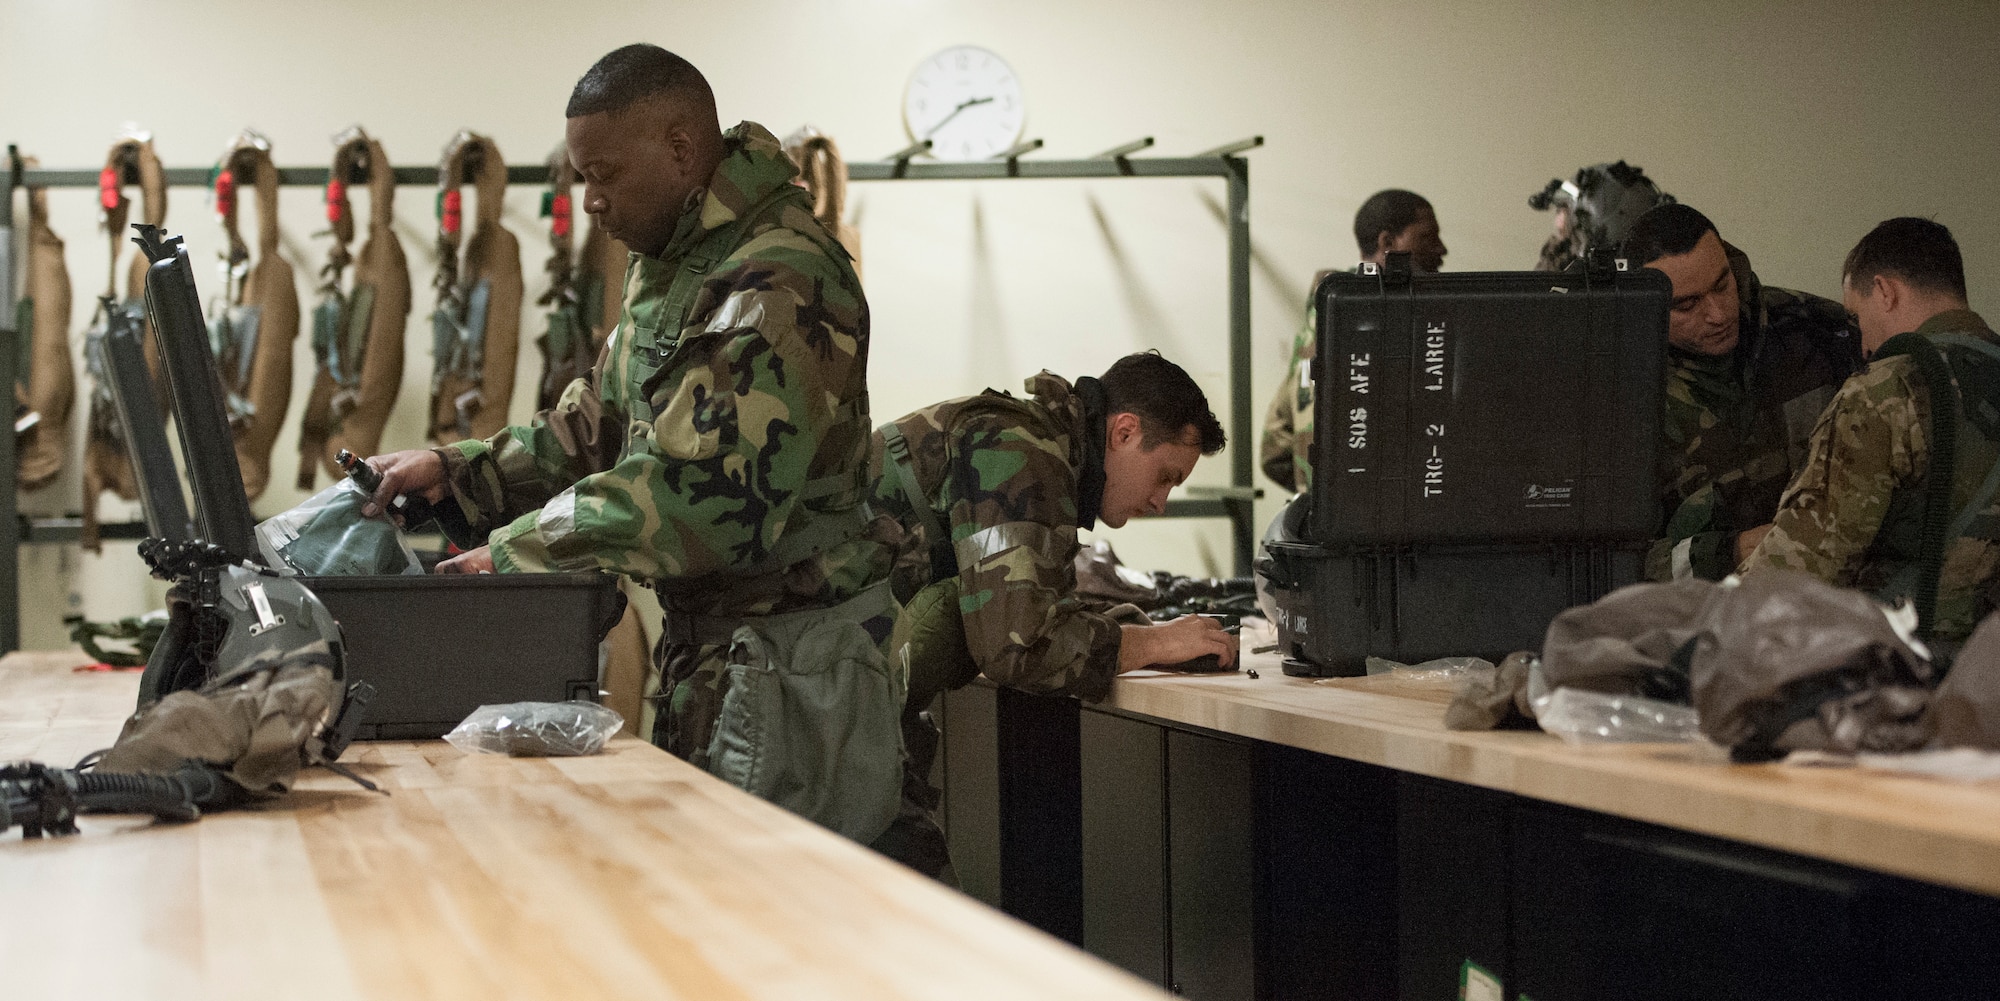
x=916, y=837
x=799, y=708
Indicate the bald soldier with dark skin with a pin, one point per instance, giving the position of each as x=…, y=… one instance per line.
x=717, y=452
x=641, y=166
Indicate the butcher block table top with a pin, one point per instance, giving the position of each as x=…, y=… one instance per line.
x=630, y=874
x=1928, y=829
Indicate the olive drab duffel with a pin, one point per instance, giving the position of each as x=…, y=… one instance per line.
x=477, y=325
x=105, y=464
x=252, y=325
x=358, y=325
x=823, y=173
x=46, y=385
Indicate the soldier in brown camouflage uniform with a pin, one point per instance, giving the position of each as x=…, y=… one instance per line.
x=986, y=494
x=1854, y=516
x=717, y=452
x=1749, y=368
x=1388, y=222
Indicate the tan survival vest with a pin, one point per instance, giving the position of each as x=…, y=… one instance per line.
x=47, y=383
x=476, y=329
x=105, y=464
x=824, y=174
x=357, y=333
x=251, y=326
x=581, y=313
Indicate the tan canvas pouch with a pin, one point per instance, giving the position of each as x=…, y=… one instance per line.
x=824, y=174
x=50, y=380
x=601, y=281
x=471, y=400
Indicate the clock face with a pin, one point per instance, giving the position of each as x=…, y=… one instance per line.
x=967, y=102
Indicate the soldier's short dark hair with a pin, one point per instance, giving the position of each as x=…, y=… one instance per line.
x=1391, y=211
x=1164, y=397
x=1665, y=231
x=631, y=74
x=1919, y=251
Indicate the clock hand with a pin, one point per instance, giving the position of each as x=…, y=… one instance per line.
x=954, y=113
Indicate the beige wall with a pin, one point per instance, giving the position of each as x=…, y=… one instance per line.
x=1795, y=126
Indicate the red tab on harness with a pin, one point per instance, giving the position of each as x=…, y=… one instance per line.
x=448, y=212
x=225, y=192
x=107, y=189
x=559, y=215
x=336, y=195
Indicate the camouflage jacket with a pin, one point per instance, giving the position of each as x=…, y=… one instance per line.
x=1285, y=451
x=1854, y=515
x=701, y=439
x=1736, y=426
x=1559, y=252
x=1011, y=481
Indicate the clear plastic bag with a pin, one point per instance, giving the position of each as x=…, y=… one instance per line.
x=1585, y=717
x=537, y=729
x=327, y=537
x=1444, y=672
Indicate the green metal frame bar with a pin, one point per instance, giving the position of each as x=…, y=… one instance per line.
x=10, y=528
x=1223, y=162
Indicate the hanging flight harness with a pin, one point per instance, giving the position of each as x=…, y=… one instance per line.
x=46, y=384
x=824, y=175
x=476, y=329
x=252, y=325
x=105, y=464
x=568, y=345
x=357, y=333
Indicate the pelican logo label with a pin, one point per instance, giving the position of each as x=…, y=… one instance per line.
x=1549, y=494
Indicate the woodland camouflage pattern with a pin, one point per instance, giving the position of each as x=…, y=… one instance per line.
x=1736, y=426
x=1854, y=515
x=1002, y=475
x=760, y=396
x=1284, y=453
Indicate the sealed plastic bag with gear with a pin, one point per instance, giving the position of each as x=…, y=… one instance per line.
x=1787, y=662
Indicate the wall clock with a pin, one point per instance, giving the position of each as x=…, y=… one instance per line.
x=967, y=101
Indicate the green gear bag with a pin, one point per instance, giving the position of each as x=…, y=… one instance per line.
x=929, y=640
x=810, y=718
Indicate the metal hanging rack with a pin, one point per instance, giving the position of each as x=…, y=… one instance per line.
x=1233, y=502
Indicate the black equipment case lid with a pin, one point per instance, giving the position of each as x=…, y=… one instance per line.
x=1488, y=406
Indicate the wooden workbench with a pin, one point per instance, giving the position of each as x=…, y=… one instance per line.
x=625, y=875
x=1926, y=829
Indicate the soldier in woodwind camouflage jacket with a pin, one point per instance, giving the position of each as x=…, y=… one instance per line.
x=1284, y=453
x=704, y=439
x=981, y=499
x=1736, y=425
x=1012, y=480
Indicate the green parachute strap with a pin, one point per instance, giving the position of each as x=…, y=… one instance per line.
x=142, y=633
x=903, y=468
x=1962, y=524
x=1936, y=374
